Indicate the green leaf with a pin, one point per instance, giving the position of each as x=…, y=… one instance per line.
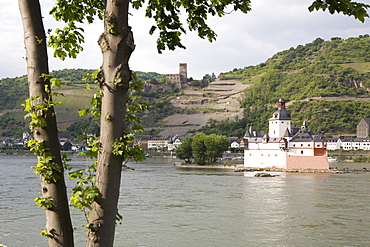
x=44, y=202
x=83, y=112
x=55, y=82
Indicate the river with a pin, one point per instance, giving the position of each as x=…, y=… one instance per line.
x=167, y=206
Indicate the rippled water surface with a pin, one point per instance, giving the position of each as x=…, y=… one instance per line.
x=167, y=206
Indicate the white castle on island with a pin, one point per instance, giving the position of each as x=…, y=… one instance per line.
x=285, y=146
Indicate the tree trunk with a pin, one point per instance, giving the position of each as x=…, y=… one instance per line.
x=58, y=220
x=116, y=44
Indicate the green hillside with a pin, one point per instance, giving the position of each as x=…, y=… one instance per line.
x=316, y=77
x=13, y=92
x=76, y=97
x=321, y=68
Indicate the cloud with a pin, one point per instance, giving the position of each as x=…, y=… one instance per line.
x=242, y=40
x=11, y=48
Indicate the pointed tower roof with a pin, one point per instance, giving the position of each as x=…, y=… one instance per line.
x=286, y=133
x=265, y=138
x=281, y=113
x=249, y=132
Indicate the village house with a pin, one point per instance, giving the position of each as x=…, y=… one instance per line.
x=234, y=142
x=174, y=143
x=348, y=143
x=158, y=142
x=359, y=142
x=363, y=128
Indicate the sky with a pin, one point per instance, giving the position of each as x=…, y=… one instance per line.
x=242, y=39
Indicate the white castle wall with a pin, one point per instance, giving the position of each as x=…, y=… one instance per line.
x=264, y=155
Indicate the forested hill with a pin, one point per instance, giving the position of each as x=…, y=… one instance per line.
x=315, y=78
x=321, y=68
x=15, y=90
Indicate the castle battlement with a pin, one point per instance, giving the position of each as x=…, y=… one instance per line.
x=181, y=77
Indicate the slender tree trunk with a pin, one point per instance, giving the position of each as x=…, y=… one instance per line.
x=58, y=221
x=116, y=44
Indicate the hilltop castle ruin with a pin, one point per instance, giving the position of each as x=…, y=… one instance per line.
x=180, y=78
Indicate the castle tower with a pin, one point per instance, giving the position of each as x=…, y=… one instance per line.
x=280, y=121
x=183, y=73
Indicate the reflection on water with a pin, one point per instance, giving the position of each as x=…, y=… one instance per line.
x=167, y=206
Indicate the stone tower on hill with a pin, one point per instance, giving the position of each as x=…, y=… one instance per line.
x=180, y=78
x=183, y=73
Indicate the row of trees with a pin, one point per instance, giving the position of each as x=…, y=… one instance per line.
x=10, y=127
x=82, y=128
x=202, y=149
x=254, y=116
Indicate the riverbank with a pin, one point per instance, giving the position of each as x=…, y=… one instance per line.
x=241, y=168
x=216, y=166
x=274, y=169
x=28, y=152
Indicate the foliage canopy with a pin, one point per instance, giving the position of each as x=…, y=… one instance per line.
x=204, y=149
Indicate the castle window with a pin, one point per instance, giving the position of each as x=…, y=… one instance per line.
x=250, y=154
x=261, y=154
x=302, y=152
x=293, y=145
x=309, y=145
x=268, y=155
x=301, y=145
x=275, y=155
x=318, y=145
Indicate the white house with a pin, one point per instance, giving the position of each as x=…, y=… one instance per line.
x=235, y=144
x=333, y=143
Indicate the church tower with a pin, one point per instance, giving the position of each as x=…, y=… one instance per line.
x=280, y=121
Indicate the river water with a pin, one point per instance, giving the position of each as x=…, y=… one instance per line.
x=167, y=206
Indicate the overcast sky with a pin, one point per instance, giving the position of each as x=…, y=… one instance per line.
x=243, y=39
